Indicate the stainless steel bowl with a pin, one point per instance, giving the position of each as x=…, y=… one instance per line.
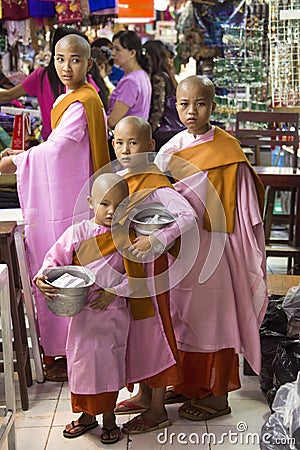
x=139, y=215
x=69, y=301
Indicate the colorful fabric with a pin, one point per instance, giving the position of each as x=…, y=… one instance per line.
x=97, y=5
x=41, y=8
x=68, y=11
x=15, y=10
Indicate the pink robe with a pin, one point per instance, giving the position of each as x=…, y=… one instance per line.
x=49, y=179
x=97, y=340
x=222, y=300
x=149, y=352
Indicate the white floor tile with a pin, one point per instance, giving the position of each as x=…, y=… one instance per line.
x=42, y=391
x=40, y=414
x=88, y=441
x=34, y=438
x=252, y=412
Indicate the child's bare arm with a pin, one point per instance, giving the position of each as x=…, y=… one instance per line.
x=104, y=300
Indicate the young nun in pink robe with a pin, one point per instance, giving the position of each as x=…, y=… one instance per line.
x=51, y=175
x=152, y=354
x=97, y=336
x=218, y=307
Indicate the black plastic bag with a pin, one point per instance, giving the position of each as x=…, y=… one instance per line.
x=272, y=332
x=286, y=363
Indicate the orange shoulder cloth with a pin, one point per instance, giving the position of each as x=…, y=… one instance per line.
x=220, y=158
x=87, y=95
x=107, y=243
x=143, y=182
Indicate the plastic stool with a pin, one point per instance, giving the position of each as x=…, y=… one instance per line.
x=7, y=429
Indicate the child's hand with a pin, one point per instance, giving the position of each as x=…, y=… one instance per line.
x=140, y=246
x=50, y=292
x=10, y=152
x=103, y=301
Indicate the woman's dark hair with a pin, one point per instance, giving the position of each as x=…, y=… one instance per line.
x=158, y=54
x=131, y=41
x=101, y=42
x=57, y=86
x=100, y=56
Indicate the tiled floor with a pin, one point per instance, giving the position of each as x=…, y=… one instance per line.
x=40, y=428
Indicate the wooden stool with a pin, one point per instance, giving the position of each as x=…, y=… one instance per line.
x=12, y=215
x=7, y=429
x=8, y=256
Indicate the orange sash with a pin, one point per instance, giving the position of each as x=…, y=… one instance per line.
x=87, y=95
x=107, y=243
x=141, y=184
x=220, y=157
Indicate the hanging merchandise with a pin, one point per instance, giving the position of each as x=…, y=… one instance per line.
x=136, y=11
x=97, y=5
x=40, y=8
x=15, y=10
x=68, y=11
x=3, y=43
x=284, y=24
x=85, y=8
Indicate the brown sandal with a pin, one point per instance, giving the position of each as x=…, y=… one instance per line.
x=57, y=371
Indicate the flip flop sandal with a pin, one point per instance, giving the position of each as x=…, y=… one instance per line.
x=206, y=413
x=108, y=431
x=172, y=397
x=83, y=429
x=149, y=425
x=127, y=407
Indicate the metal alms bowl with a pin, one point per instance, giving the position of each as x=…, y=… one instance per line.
x=69, y=301
x=139, y=217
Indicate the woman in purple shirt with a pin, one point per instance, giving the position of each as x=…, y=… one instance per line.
x=132, y=95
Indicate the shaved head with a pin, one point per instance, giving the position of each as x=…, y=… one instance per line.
x=107, y=182
x=202, y=81
x=77, y=42
x=141, y=125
